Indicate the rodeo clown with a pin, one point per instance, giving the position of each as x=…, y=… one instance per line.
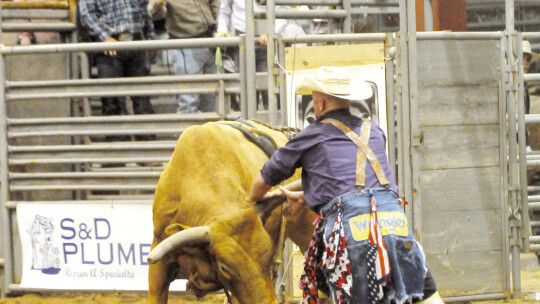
x=361, y=244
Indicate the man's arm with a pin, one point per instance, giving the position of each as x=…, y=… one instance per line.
x=224, y=18
x=258, y=189
x=148, y=24
x=91, y=21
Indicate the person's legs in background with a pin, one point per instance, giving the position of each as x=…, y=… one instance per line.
x=111, y=67
x=138, y=64
x=187, y=62
x=207, y=102
x=261, y=65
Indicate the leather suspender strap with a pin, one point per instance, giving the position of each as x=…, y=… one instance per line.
x=364, y=149
x=365, y=131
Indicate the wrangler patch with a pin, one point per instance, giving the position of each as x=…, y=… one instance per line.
x=394, y=222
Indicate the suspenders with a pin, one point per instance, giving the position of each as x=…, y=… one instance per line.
x=364, y=152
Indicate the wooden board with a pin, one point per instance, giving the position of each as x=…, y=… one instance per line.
x=462, y=231
x=460, y=189
x=458, y=104
x=312, y=57
x=462, y=146
x=469, y=273
x=458, y=61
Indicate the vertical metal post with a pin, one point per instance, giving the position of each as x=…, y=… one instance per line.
x=522, y=130
x=503, y=150
x=250, y=61
x=347, y=22
x=390, y=103
x=415, y=134
x=4, y=190
x=282, y=81
x=513, y=183
x=271, y=53
x=428, y=16
x=404, y=123
x=243, y=78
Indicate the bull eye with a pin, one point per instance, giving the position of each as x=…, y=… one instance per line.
x=310, y=120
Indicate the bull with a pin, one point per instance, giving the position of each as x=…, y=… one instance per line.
x=204, y=230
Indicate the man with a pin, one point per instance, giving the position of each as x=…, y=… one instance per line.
x=527, y=61
x=113, y=21
x=346, y=178
x=190, y=19
x=231, y=19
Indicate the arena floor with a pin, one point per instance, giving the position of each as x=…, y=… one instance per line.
x=530, y=288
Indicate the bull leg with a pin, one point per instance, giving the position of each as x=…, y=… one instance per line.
x=158, y=283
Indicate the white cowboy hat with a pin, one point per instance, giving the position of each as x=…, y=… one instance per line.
x=528, y=50
x=334, y=81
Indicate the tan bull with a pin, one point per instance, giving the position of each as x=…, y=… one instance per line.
x=208, y=233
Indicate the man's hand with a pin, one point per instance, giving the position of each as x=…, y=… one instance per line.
x=295, y=201
x=263, y=39
x=220, y=35
x=110, y=52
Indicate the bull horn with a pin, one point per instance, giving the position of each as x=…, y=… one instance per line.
x=189, y=237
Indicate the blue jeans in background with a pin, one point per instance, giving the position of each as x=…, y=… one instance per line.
x=190, y=62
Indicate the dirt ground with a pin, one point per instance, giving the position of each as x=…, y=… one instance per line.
x=530, y=285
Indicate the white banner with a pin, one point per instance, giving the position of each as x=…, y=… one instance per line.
x=94, y=246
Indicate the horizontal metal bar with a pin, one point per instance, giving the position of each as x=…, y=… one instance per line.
x=2, y=262
x=488, y=296
x=533, y=77
x=308, y=2
x=119, y=92
x=38, y=26
x=122, y=146
x=531, y=35
x=534, y=239
x=375, y=2
x=19, y=13
x=300, y=14
x=122, y=46
x=369, y=37
x=458, y=35
x=85, y=132
x=79, y=175
x=13, y=204
x=89, y=160
x=534, y=223
x=35, y=157
x=374, y=10
x=6, y=5
x=125, y=80
x=534, y=205
x=533, y=163
x=534, y=247
x=81, y=187
x=188, y=117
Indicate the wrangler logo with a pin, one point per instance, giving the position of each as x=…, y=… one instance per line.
x=394, y=222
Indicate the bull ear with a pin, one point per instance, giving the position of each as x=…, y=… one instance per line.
x=174, y=228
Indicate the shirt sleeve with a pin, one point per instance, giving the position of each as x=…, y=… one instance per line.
x=157, y=11
x=224, y=17
x=148, y=23
x=288, y=158
x=90, y=20
x=280, y=23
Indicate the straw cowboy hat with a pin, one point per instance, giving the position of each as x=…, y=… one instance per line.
x=528, y=50
x=334, y=81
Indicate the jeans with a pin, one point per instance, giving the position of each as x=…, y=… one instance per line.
x=261, y=65
x=189, y=62
x=125, y=64
x=405, y=254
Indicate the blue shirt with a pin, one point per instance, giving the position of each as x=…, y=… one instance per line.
x=105, y=18
x=328, y=159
